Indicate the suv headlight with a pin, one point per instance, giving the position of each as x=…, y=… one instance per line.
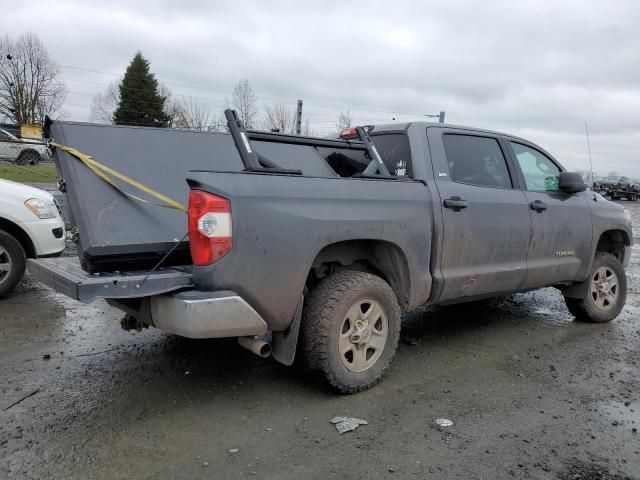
x=627, y=214
x=42, y=208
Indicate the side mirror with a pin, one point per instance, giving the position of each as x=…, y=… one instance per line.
x=571, y=182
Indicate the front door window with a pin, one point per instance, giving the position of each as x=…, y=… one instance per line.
x=540, y=173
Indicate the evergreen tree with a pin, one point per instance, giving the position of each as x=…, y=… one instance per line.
x=140, y=100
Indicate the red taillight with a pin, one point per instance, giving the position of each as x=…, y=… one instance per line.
x=350, y=132
x=209, y=227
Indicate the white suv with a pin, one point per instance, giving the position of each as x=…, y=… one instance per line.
x=30, y=226
x=22, y=151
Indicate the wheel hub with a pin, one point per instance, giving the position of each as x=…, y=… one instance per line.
x=363, y=334
x=604, y=288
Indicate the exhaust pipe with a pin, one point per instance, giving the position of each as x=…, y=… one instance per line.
x=256, y=346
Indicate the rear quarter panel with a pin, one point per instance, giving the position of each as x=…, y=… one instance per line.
x=280, y=224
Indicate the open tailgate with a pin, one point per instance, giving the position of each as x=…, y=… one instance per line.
x=118, y=233
x=65, y=276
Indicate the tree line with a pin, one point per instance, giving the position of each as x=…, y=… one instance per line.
x=139, y=99
x=31, y=87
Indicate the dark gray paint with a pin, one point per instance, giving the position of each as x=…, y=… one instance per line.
x=484, y=248
x=280, y=224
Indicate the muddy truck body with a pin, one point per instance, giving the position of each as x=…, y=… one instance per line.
x=319, y=246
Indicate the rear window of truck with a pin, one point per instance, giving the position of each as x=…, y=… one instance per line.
x=392, y=147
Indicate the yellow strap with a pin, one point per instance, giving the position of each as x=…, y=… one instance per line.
x=103, y=172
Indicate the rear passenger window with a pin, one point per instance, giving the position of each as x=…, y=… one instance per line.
x=476, y=161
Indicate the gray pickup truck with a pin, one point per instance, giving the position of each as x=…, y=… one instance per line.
x=320, y=263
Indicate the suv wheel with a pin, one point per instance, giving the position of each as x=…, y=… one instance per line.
x=12, y=263
x=30, y=157
x=606, y=294
x=350, y=330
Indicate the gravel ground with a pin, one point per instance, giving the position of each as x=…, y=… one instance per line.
x=531, y=393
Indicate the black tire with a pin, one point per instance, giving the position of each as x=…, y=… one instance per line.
x=325, y=314
x=11, y=257
x=30, y=157
x=587, y=309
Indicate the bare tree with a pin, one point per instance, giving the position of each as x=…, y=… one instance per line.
x=243, y=102
x=278, y=118
x=104, y=104
x=30, y=84
x=191, y=114
x=306, y=129
x=172, y=108
x=344, y=120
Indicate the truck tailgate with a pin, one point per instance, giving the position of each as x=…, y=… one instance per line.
x=65, y=276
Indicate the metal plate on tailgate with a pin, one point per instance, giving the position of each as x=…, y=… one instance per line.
x=65, y=276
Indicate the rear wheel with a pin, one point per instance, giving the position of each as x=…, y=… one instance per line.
x=606, y=293
x=12, y=263
x=350, y=330
x=30, y=157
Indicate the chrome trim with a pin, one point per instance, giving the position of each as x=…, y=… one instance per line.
x=197, y=314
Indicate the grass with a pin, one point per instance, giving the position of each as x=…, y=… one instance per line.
x=45, y=173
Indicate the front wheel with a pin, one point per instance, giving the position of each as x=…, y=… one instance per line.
x=12, y=263
x=350, y=330
x=606, y=292
x=30, y=157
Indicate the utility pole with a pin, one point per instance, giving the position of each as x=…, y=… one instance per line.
x=299, y=118
x=439, y=116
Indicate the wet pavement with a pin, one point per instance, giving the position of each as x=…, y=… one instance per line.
x=531, y=393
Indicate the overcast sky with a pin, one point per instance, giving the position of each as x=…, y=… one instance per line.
x=535, y=69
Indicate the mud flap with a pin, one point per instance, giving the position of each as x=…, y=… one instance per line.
x=284, y=343
x=577, y=290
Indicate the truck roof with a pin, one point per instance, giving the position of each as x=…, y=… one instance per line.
x=387, y=127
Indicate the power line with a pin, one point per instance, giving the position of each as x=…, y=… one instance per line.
x=288, y=100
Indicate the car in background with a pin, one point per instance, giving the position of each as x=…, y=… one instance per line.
x=22, y=151
x=628, y=185
x=30, y=227
x=603, y=184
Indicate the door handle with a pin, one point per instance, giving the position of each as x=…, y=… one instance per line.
x=455, y=203
x=538, y=206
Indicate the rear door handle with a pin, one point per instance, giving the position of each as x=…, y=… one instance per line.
x=538, y=206
x=455, y=203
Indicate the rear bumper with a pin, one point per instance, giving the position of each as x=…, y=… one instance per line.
x=197, y=314
x=163, y=299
